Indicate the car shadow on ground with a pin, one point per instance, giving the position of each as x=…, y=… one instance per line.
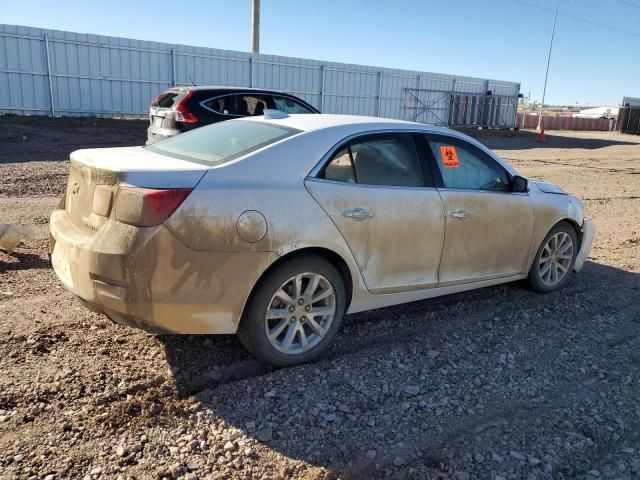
x=528, y=139
x=359, y=386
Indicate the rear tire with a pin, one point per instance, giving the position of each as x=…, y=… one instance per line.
x=554, y=260
x=294, y=312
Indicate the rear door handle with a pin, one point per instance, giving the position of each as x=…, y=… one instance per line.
x=460, y=214
x=357, y=213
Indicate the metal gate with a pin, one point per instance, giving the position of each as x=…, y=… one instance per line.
x=458, y=109
x=629, y=120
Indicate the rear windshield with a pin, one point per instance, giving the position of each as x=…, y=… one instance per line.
x=167, y=99
x=222, y=142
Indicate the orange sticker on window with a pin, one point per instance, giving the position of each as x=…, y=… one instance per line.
x=449, y=156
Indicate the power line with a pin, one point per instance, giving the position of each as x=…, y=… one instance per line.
x=626, y=2
x=597, y=24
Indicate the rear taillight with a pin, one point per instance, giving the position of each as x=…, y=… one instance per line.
x=146, y=207
x=183, y=114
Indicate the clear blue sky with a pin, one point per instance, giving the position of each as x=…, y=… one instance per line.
x=500, y=39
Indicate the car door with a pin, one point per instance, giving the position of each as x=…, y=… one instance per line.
x=488, y=227
x=384, y=204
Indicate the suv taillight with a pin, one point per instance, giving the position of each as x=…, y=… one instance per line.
x=146, y=207
x=183, y=114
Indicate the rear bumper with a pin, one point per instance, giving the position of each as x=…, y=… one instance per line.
x=588, y=234
x=155, y=134
x=147, y=278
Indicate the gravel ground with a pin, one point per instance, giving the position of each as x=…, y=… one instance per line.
x=495, y=383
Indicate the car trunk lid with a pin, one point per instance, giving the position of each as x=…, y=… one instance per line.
x=96, y=175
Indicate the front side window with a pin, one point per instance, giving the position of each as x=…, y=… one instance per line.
x=221, y=142
x=381, y=159
x=464, y=166
x=289, y=105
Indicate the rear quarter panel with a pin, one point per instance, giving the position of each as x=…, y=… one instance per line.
x=270, y=182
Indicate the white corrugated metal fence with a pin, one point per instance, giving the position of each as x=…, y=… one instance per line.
x=46, y=72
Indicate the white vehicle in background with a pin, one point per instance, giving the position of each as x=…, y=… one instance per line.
x=599, y=112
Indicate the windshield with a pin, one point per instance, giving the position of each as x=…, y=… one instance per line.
x=222, y=142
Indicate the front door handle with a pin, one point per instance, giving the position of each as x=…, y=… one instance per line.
x=460, y=214
x=357, y=213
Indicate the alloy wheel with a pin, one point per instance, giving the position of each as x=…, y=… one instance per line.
x=300, y=313
x=555, y=259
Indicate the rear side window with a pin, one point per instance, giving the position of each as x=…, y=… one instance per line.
x=222, y=142
x=238, y=105
x=289, y=105
x=384, y=159
x=464, y=166
x=340, y=168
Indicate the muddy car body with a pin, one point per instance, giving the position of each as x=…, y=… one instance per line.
x=294, y=221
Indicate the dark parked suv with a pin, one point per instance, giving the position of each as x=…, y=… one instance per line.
x=179, y=109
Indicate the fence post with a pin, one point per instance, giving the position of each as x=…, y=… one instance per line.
x=515, y=108
x=417, y=102
x=453, y=105
x=173, y=67
x=251, y=71
x=46, y=49
x=379, y=99
x=322, y=80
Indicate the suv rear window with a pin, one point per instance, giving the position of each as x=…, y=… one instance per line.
x=167, y=99
x=222, y=142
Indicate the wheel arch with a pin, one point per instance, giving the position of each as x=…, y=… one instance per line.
x=573, y=224
x=569, y=221
x=332, y=257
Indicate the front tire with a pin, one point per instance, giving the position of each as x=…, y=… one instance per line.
x=554, y=259
x=294, y=312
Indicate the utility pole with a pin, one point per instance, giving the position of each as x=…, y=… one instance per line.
x=546, y=75
x=255, y=27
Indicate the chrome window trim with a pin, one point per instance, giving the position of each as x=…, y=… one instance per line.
x=248, y=92
x=367, y=185
x=501, y=192
x=315, y=171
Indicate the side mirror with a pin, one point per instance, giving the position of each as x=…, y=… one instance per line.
x=519, y=184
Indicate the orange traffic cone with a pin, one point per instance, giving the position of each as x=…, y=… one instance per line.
x=541, y=138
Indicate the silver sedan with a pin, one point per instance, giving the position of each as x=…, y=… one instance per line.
x=274, y=227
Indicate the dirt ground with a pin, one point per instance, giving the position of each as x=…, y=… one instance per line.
x=495, y=383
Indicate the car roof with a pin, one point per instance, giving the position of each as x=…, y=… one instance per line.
x=344, y=125
x=226, y=88
x=307, y=123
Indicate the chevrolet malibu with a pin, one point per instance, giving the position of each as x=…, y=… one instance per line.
x=274, y=227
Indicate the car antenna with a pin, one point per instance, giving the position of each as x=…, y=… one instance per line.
x=191, y=80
